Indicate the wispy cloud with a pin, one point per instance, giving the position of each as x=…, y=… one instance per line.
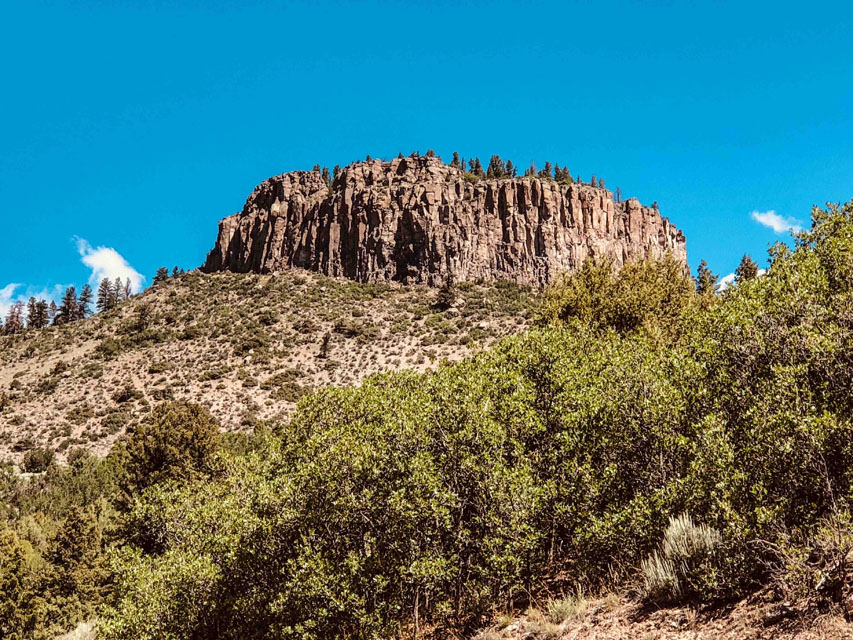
x=726, y=281
x=13, y=292
x=779, y=224
x=106, y=262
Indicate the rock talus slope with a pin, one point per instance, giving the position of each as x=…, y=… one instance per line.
x=418, y=220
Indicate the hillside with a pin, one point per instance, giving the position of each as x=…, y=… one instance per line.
x=245, y=346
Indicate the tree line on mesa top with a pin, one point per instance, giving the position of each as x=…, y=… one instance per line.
x=497, y=168
x=39, y=313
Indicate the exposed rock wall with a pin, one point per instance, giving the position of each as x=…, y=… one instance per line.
x=418, y=220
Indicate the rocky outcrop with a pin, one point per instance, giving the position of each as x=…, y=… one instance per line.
x=418, y=220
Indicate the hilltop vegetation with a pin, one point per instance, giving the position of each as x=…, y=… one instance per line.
x=682, y=446
x=246, y=346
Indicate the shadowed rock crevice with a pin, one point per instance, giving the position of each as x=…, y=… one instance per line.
x=418, y=220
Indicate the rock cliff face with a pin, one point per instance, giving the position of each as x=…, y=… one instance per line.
x=418, y=220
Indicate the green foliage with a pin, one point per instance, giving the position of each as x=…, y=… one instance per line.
x=37, y=460
x=565, y=450
x=177, y=442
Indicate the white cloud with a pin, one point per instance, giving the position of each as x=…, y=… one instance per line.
x=106, y=262
x=779, y=224
x=8, y=297
x=726, y=281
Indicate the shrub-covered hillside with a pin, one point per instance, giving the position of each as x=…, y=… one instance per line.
x=246, y=346
x=645, y=438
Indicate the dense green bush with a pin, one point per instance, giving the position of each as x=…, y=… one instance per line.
x=564, y=451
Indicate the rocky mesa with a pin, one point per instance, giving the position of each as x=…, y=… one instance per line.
x=418, y=220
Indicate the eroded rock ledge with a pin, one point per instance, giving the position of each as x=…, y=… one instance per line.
x=418, y=220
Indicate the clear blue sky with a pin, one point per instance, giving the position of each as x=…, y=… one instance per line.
x=138, y=125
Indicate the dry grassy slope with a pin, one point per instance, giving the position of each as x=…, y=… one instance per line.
x=246, y=346
x=759, y=617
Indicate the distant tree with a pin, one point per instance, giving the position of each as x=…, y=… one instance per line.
x=128, y=289
x=496, y=167
x=106, y=298
x=15, y=318
x=462, y=164
x=327, y=178
x=118, y=289
x=455, y=161
x=593, y=182
x=161, y=276
x=400, y=155
x=430, y=153
x=84, y=302
x=175, y=272
x=368, y=158
x=601, y=183
x=618, y=194
x=52, y=310
x=655, y=204
x=706, y=280
x=509, y=169
x=447, y=294
x=531, y=170
x=177, y=442
x=475, y=167
x=31, y=313
x=546, y=171
x=336, y=171
x=324, y=345
x=746, y=270
x=316, y=168
x=67, y=311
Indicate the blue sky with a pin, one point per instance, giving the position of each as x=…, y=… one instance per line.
x=128, y=129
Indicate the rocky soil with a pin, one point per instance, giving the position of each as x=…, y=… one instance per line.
x=247, y=346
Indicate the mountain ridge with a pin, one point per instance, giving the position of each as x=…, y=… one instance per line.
x=418, y=220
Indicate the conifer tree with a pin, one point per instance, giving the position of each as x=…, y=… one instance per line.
x=546, y=171
x=161, y=276
x=41, y=317
x=316, y=168
x=67, y=311
x=509, y=169
x=531, y=170
x=83, y=302
x=327, y=178
x=105, y=300
x=618, y=194
x=336, y=171
x=128, y=289
x=52, y=311
x=496, y=167
x=593, y=181
x=601, y=183
x=118, y=289
x=175, y=272
x=706, y=280
x=746, y=270
x=455, y=161
x=31, y=313
x=430, y=153
x=15, y=318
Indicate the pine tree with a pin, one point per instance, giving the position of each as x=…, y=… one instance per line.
x=430, y=153
x=593, y=181
x=447, y=294
x=509, y=169
x=83, y=302
x=746, y=270
x=496, y=167
x=618, y=194
x=175, y=272
x=118, y=290
x=41, y=317
x=31, y=313
x=316, y=168
x=327, y=178
x=161, y=276
x=546, y=171
x=128, y=290
x=368, y=158
x=531, y=170
x=52, y=311
x=455, y=161
x=600, y=183
x=67, y=311
x=105, y=300
x=706, y=280
x=15, y=318
x=336, y=171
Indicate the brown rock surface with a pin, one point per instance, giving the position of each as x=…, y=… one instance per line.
x=418, y=220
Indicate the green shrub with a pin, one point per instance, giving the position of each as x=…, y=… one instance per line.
x=37, y=460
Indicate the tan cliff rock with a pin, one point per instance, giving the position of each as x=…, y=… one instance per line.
x=418, y=220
